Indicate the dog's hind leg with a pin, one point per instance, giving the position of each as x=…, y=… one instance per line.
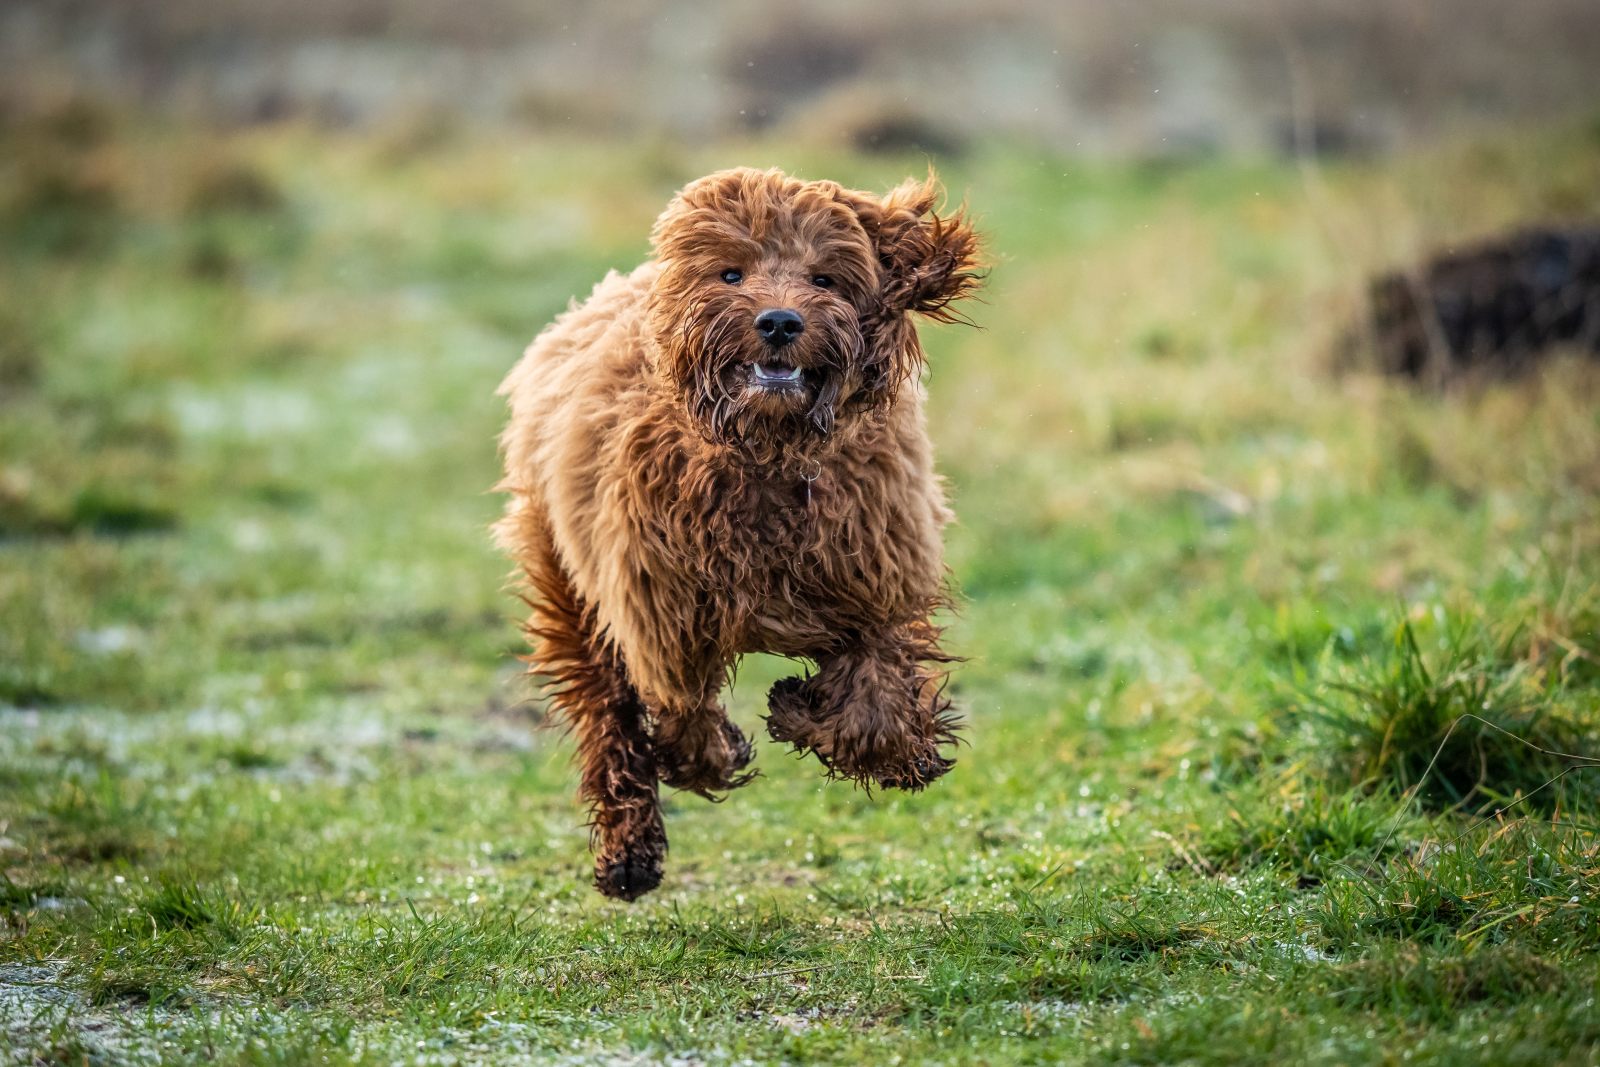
x=875, y=711
x=589, y=690
x=619, y=782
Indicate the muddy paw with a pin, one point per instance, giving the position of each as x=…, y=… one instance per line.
x=628, y=878
x=715, y=769
x=857, y=739
x=792, y=718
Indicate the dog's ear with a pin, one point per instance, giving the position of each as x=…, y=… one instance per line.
x=928, y=260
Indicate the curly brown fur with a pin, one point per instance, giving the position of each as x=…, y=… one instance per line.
x=688, y=485
x=874, y=712
x=703, y=753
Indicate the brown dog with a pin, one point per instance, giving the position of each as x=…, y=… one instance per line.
x=724, y=452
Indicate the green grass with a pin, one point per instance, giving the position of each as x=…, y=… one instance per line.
x=271, y=789
x=1479, y=728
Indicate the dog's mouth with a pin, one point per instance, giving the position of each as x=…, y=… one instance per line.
x=776, y=375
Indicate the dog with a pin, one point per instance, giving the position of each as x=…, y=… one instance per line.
x=724, y=452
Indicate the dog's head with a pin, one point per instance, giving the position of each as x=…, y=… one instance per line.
x=783, y=305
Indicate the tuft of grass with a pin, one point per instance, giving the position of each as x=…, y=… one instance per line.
x=1303, y=829
x=178, y=905
x=1126, y=936
x=1561, y=635
x=1465, y=724
x=1442, y=984
x=1519, y=881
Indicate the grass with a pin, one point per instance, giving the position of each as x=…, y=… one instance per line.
x=271, y=790
x=1478, y=728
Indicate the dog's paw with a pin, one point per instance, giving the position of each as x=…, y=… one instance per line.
x=859, y=742
x=718, y=768
x=792, y=717
x=627, y=878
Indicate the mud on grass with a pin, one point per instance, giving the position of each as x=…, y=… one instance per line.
x=268, y=792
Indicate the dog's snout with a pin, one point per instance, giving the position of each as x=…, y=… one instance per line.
x=779, y=326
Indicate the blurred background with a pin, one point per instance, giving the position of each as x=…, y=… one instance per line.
x=1163, y=78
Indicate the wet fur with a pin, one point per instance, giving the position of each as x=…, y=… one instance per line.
x=668, y=517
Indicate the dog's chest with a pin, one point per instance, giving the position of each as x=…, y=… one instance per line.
x=784, y=567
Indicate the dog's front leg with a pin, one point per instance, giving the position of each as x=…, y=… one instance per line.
x=697, y=747
x=875, y=710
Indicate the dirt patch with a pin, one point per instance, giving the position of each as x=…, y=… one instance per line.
x=1492, y=309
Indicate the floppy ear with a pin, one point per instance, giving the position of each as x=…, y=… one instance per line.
x=928, y=261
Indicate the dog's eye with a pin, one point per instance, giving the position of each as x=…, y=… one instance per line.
x=733, y=276
x=822, y=281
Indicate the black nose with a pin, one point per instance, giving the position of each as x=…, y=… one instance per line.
x=779, y=326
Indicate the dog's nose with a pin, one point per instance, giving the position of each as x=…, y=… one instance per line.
x=779, y=326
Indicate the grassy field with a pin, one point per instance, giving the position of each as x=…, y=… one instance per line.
x=272, y=789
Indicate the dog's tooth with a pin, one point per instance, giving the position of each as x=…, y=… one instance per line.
x=788, y=374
